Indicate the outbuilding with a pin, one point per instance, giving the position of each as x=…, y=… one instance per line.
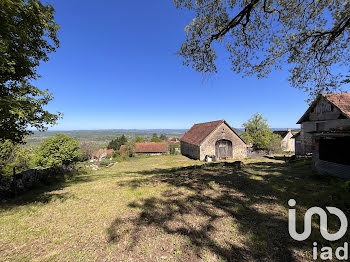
x=325, y=133
x=216, y=138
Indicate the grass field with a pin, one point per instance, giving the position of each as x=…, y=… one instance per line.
x=163, y=208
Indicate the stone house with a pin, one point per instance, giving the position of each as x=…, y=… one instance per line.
x=287, y=142
x=216, y=138
x=325, y=132
x=101, y=154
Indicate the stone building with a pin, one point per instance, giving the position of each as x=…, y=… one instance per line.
x=325, y=132
x=152, y=148
x=214, y=138
x=287, y=142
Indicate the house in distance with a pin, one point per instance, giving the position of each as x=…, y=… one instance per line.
x=287, y=142
x=216, y=138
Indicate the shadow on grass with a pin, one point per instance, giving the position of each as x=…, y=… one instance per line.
x=46, y=192
x=254, y=196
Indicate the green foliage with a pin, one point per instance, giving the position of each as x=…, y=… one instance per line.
x=105, y=162
x=12, y=155
x=275, y=144
x=139, y=139
x=257, y=132
x=156, y=139
x=163, y=137
x=28, y=34
x=310, y=37
x=130, y=149
x=116, y=143
x=172, y=148
x=57, y=151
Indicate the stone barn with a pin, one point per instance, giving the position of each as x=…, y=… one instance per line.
x=216, y=138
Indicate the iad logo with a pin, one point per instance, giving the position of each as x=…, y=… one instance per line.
x=326, y=252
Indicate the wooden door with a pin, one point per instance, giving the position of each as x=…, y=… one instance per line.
x=223, y=149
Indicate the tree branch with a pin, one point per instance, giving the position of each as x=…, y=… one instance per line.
x=245, y=12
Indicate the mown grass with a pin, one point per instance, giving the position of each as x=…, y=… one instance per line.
x=156, y=209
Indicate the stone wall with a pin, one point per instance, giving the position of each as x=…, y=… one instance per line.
x=26, y=180
x=190, y=150
x=239, y=148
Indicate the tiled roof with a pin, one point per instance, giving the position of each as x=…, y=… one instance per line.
x=199, y=132
x=109, y=151
x=152, y=147
x=339, y=100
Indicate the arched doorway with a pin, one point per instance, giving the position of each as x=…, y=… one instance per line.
x=223, y=148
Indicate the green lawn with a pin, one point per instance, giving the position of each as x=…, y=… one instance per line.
x=156, y=209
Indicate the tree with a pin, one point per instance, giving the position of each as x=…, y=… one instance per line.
x=257, y=132
x=130, y=148
x=116, y=143
x=156, y=139
x=57, y=151
x=87, y=149
x=261, y=35
x=28, y=33
x=139, y=139
x=12, y=155
x=163, y=137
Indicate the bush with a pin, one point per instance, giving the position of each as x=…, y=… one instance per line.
x=156, y=139
x=105, y=163
x=275, y=144
x=172, y=149
x=57, y=151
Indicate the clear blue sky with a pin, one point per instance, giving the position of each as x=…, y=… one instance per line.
x=116, y=68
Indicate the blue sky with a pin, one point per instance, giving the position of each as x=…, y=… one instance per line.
x=116, y=68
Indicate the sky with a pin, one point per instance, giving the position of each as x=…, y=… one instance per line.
x=116, y=68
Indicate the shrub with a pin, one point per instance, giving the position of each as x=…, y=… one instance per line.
x=57, y=151
x=156, y=139
x=275, y=144
x=104, y=163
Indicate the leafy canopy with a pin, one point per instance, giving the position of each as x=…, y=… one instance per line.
x=28, y=33
x=116, y=143
x=57, y=151
x=262, y=35
x=257, y=132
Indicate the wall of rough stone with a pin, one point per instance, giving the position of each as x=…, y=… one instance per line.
x=190, y=150
x=223, y=132
x=26, y=180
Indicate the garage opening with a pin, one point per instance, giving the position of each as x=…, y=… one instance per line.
x=335, y=149
x=223, y=149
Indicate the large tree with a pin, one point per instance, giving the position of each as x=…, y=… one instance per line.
x=258, y=133
x=28, y=33
x=310, y=37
